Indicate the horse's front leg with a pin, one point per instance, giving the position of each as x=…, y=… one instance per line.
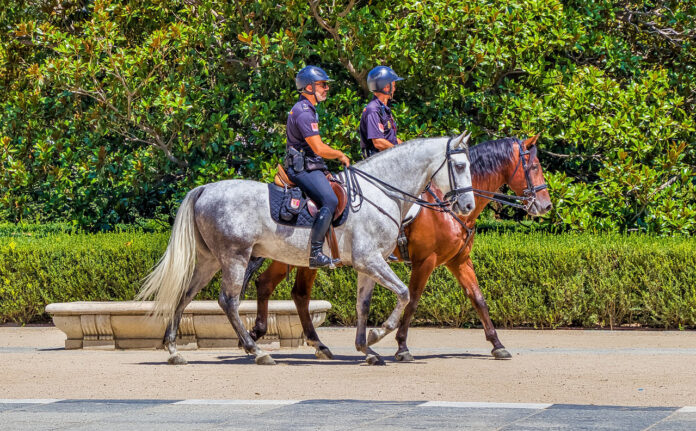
x=420, y=272
x=382, y=274
x=463, y=270
x=366, y=285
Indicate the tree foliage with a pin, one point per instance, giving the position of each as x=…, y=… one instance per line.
x=110, y=111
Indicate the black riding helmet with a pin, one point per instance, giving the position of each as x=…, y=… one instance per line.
x=309, y=75
x=379, y=77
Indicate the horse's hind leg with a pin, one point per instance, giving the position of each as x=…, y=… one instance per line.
x=265, y=285
x=231, y=286
x=463, y=269
x=420, y=272
x=206, y=267
x=301, y=294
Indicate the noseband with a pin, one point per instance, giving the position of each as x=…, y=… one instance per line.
x=529, y=193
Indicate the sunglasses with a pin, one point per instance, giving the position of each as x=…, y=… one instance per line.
x=323, y=84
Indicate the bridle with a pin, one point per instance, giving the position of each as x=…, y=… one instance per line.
x=455, y=191
x=355, y=193
x=529, y=193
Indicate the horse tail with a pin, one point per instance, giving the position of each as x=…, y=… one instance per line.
x=171, y=276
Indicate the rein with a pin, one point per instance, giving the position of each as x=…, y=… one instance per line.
x=355, y=192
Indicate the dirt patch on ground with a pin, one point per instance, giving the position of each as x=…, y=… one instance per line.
x=562, y=366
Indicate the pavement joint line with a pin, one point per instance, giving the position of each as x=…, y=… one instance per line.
x=29, y=400
x=481, y=405
x=239, y=402
x=687, y=409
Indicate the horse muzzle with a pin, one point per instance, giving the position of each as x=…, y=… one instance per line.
x=464, y=204
x=539, y=207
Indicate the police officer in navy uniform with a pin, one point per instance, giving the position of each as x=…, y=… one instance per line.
x=304, y=161
x=377, y=125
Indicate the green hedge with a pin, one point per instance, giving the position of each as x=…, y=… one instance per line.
x=529, y=279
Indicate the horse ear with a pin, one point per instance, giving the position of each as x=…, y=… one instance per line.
x=531, y=141
x=462, y=140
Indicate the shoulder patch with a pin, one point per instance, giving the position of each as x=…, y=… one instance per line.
x=380, y=126
x=315, y=127
x=305, y=107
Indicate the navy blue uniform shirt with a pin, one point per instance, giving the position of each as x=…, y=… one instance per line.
x=376, y=122
x=303, y=122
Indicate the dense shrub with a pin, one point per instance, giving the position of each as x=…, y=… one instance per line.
x=530, y=279
x=110, y=111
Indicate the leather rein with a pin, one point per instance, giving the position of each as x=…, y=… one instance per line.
x=355, y=192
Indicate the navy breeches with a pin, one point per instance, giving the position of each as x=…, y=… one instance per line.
x=317, y=187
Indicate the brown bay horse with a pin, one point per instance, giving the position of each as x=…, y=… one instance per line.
x=434, y=238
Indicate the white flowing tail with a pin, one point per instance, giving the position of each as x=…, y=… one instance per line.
x=172, y=275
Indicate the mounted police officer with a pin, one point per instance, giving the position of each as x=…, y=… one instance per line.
x=377, y=125
x=304, y=161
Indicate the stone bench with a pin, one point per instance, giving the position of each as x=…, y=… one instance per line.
x=126, y=324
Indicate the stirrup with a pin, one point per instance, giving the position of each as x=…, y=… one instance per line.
x=321, y=260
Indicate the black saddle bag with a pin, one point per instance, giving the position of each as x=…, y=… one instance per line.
x=315, y=163
x=292, y=204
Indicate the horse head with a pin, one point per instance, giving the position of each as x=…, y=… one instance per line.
x=527, y=179
x=455, y=181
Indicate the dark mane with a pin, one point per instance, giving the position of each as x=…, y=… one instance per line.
x=490, y=156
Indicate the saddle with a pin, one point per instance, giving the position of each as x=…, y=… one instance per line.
x=282, y=180
x=306, y=209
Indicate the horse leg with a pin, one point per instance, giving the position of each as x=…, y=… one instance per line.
x=231, y=287
x=463, y=270
x=265, y=285
x=420, y=272
x=382, y=274
x=206, y=267
x=301, y=294
x=366, y=286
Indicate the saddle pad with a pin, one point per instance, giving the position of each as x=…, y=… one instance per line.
x=303, y=219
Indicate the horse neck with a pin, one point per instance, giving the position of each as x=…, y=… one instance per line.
x=408, y=166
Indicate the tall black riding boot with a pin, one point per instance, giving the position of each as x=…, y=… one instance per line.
x=321, y=225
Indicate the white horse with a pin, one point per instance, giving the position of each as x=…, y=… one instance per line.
x=220, y=226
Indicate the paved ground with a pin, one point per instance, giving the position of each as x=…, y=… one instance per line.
x=556, y=380
x=152, y=415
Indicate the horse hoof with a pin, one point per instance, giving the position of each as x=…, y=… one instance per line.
x=501, y=354
x=404, y=356
x=373, y=337
x=323, y=353
x=264, y=359
x=374, y=360
x=177, y=359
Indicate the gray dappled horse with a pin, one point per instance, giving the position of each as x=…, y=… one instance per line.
x=220, y=226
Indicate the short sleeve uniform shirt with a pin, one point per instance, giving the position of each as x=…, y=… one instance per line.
x=303, y=122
